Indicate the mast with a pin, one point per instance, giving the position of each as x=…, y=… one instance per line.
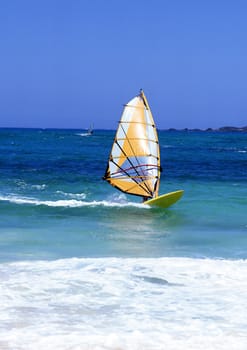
x=134, y=162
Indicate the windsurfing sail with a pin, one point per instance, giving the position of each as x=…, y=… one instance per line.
x=134, y=162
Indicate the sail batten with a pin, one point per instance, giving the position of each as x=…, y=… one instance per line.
x=138, y=138
x=135, y=122
x=134, y=162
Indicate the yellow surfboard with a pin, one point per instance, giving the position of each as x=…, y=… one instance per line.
x=165, y=200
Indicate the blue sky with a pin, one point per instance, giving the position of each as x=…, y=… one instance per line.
x=71, y=63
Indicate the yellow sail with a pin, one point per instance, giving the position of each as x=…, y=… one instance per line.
x=134, y=162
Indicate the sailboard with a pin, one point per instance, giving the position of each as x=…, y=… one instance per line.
x=134, y=162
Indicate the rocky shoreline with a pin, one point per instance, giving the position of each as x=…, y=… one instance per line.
x=222, y=129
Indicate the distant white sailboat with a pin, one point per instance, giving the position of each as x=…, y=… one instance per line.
x=90, y=130
x=134, y=162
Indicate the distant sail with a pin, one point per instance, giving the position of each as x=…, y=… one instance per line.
x=134, y=162
x=90, y=130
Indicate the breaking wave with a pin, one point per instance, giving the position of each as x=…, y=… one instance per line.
x=70, y=203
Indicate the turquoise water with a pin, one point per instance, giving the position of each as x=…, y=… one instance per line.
x=91, y=249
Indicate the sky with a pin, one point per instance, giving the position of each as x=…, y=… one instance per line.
x=71, y=63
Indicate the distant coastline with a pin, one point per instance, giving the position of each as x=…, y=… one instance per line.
x=222, y=129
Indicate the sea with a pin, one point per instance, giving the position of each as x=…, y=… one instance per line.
x=85, y=266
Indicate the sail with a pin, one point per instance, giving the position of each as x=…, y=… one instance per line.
x=134, y=162
x=90, y=130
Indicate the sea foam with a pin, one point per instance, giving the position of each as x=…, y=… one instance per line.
x=101, y=304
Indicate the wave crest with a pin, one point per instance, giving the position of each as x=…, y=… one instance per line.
x=70, y=203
